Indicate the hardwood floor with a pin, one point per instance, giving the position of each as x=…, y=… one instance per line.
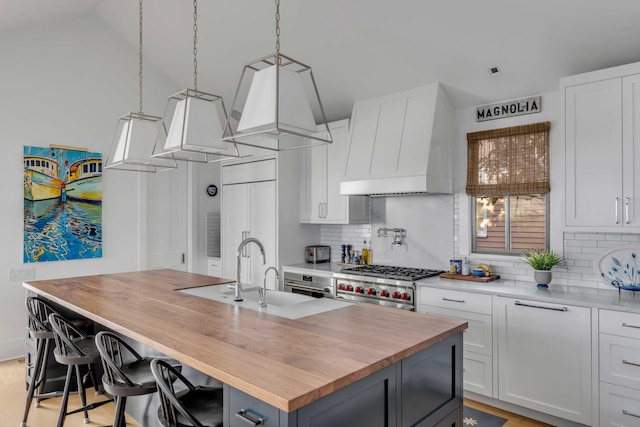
x=13, y=393
x=12, y=400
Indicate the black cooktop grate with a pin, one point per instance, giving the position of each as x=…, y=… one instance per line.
x=391, y=272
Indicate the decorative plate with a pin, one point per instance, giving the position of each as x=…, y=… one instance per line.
x=620, y=267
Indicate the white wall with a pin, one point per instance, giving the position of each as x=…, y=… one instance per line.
x=66, y=83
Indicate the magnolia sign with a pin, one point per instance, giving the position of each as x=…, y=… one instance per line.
x=500, y=110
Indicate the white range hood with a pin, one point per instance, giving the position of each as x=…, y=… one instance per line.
x=401, y=144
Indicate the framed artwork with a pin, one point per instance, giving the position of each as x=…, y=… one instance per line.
x=62, y=204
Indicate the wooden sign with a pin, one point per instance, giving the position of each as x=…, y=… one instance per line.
x=501, y=110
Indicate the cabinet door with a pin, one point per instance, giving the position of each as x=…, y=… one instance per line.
x=594, y=153
x=235, y=218
x=619, y=406
x=337, y=207
x=262, y=226
x=631, y=150
x=544, y=357
x=313, y=185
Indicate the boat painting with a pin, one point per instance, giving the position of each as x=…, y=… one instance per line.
x=62, y=204
x=84, y=180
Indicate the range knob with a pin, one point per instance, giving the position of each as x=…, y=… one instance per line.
x=395, y=295
x=371, y=291
x=384, y=293
x=359, y=289
x=341, y=286
x=405, y=296
x=349, y=288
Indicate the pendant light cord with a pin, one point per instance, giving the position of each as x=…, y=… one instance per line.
x=140, y=56
x=277, y=26
x=195, y=45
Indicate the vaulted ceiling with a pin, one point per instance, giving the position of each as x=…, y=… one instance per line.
x=359, y=49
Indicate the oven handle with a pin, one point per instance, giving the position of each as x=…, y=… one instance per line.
x=299, y=285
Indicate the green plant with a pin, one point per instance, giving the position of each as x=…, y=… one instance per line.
x=541, y=260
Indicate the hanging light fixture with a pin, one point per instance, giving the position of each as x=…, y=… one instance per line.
x=137, y=133
x=276, y=103
x=197, y=120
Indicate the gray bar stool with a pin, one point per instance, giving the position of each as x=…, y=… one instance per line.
x=195, y=406
x=126, y=373
x=40, y=331
x=73, y=348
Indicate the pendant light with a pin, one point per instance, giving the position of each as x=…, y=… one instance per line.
x=137, y=133
x=276, y=103
x=197, y=119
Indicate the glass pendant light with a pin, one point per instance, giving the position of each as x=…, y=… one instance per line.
x=137, y=133
x=197, y=119
x=276, y=103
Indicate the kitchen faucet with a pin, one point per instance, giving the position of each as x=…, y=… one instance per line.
x=262, y=292
x=237, y=295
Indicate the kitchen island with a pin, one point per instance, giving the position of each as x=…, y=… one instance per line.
x=361, y=363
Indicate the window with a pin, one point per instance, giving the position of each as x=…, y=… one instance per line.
x=508, y=180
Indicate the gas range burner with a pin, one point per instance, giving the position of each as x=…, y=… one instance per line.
x=391, y=272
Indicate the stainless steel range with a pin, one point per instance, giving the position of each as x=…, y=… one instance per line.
x=380, y=284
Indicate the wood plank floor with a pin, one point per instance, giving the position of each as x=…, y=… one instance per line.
x=12, y=400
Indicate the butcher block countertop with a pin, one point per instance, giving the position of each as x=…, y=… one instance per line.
x=285, y=363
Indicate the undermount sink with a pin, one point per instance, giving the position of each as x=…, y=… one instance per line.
x=284, y=304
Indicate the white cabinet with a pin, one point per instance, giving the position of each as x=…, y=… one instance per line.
x=476, y=309
x=619, y=368
x=544, y=357
x=214, y=267
x=602, y=150
x=249, y=210
x=322, y=169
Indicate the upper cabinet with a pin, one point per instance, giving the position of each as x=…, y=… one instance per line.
x=322, y=169
x=602, y=151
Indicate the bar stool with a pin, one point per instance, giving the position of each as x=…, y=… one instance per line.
x=126, y=373
x=40, y=331
x=73, y=348
x=196, y=406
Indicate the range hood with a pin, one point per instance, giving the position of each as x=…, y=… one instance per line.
x=401, y=144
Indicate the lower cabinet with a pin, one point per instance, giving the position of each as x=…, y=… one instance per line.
x=424, y=389
x=544, y=357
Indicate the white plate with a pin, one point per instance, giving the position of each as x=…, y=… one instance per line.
x=622, y=265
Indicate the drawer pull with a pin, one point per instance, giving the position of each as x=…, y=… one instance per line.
x=626, y=362
x=250, y=418
x=453, y=300
x=626, y=325
x=539, y=306
x=624, y=411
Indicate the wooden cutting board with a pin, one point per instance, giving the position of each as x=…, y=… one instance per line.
x=469, y=278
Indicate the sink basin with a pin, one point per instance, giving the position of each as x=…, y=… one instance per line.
x=284, y=304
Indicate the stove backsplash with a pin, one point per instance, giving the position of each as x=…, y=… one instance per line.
x=428, y=221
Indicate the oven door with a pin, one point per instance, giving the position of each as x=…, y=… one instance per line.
x=304, y=289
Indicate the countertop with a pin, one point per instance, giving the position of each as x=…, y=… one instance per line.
x=284, y=362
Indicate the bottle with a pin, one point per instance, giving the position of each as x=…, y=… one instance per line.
x=365, y=254
x=465, y=267
x=369, y=254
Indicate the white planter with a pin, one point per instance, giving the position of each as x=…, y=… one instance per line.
x=542, y=277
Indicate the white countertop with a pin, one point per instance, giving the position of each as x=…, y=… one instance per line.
x=588, y=297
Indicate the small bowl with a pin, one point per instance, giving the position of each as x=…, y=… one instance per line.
x=478, y=272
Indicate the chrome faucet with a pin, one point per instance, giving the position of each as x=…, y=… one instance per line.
x=237, y=295
x=262, y=292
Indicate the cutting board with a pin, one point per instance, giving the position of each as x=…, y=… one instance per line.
x=469, y=278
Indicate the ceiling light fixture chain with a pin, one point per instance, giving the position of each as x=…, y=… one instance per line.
x=140, y=56
x=195, y=45
x=277, y=26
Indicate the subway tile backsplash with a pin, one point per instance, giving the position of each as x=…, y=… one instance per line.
x=337, y=235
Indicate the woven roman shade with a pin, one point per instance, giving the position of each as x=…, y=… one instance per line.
x=513, y=160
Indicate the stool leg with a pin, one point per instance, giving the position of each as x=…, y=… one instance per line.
x=42, y=377
x=83, y=395
x=65, y=397
x=118, y=418
x=35, y=375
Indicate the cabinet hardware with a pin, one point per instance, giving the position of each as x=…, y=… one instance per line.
x=539, y=306
x=319, y=210
x=626, y=210
x=453, y=300
x=624, y=411
x=626, y=325
x=245, y=415
x=626, y=362
x=617, y=216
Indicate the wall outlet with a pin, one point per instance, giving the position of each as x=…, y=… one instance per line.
x=25, y=273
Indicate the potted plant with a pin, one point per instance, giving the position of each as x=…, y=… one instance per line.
x=542, y=262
